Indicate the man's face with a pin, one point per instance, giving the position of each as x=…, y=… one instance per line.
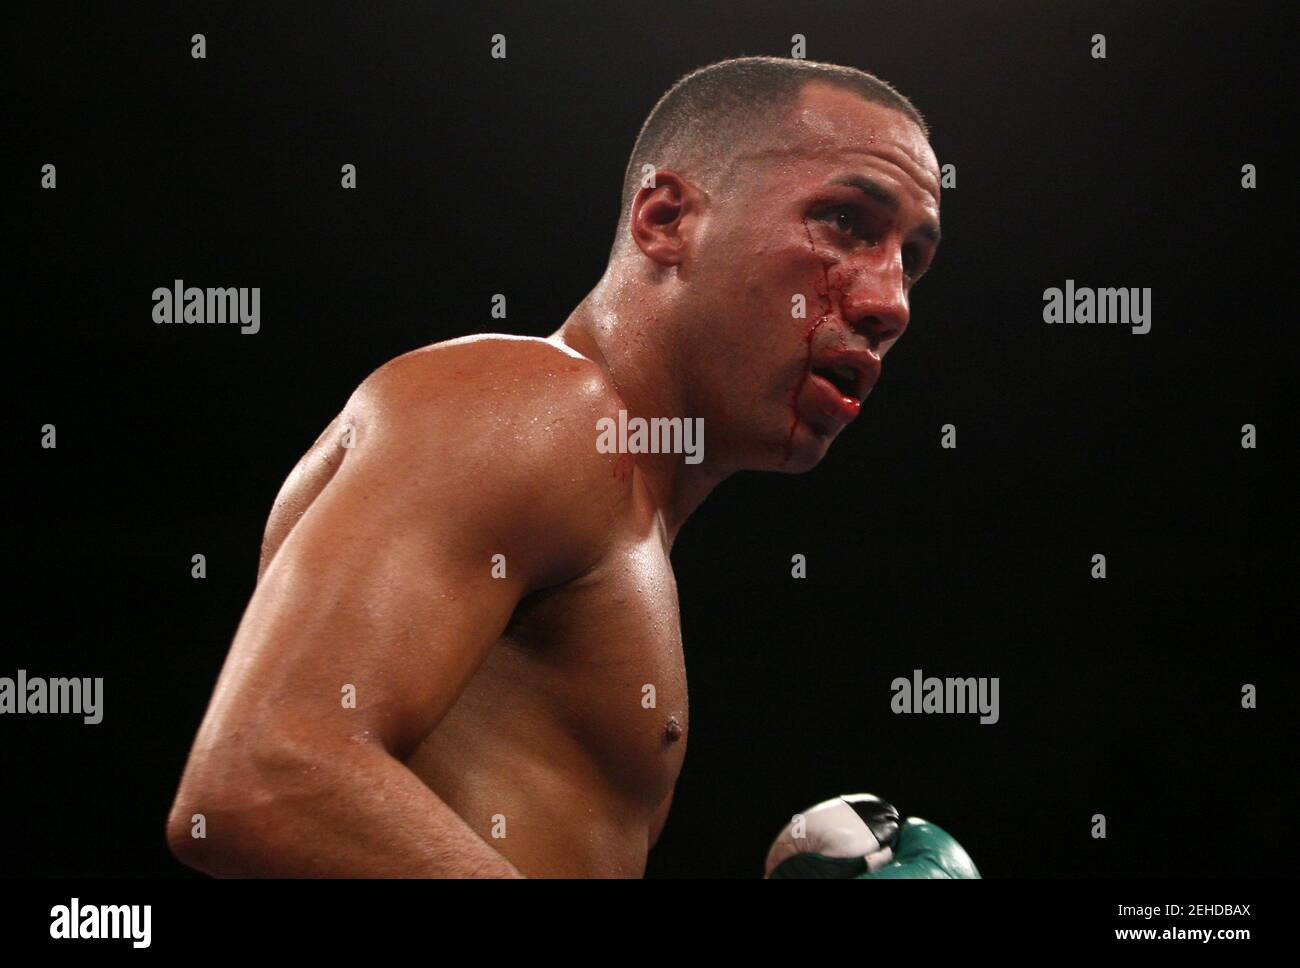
x=838, y=205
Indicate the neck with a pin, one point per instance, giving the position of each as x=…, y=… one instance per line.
x=633, y=345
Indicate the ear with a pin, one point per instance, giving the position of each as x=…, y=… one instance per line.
x=663, y=216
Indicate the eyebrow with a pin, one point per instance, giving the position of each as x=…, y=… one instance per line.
x=878, y=192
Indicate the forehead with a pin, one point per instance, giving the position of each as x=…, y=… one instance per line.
x=830, y=129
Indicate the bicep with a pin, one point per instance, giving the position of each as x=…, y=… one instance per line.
x=394, y=584
x=373, y=614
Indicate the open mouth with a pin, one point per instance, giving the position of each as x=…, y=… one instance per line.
x=843, y=378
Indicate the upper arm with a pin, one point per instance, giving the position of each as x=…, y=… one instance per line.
x=385, y=586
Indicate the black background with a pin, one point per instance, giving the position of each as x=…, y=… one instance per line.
x=478, y=176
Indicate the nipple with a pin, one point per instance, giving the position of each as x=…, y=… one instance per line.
x=672, y=730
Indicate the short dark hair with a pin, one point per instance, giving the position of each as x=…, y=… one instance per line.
x=712, y=110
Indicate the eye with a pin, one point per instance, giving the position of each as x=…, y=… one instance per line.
x=913, y=265
x=853, y=222
x=843, y=217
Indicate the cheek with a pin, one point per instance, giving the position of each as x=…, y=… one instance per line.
x=779, y=264
x=749, y=280
x=794, y=284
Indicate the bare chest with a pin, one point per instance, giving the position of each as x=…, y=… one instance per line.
x=605, y=653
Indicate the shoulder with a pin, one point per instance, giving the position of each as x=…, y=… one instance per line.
x=484, y=376
x=500, y=429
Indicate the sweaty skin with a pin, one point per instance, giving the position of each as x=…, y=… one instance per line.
x=394, y=702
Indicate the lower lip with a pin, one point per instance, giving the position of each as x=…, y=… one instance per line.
x=827, y=400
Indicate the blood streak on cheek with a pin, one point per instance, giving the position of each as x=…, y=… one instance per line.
x=825, y=295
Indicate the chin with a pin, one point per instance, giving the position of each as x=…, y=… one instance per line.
x=799, y=452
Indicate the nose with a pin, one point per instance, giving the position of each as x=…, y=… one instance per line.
x=875, y=301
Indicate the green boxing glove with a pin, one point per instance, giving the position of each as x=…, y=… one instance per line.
x=859, y=836
x=925, y=850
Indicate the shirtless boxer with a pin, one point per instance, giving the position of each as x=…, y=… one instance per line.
x=501, y=725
